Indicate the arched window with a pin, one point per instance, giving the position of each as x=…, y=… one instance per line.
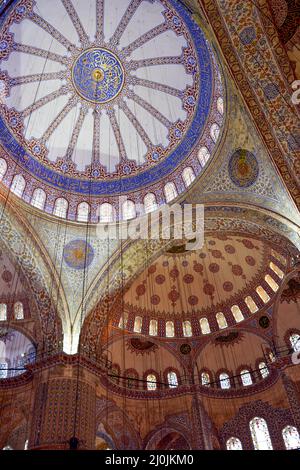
x=3, y=168
x=203, y=156
x=222, y=322
x=18, y=311
x=7, y=448
x=187, y=328
x=60, y=208
x=3, y=369
x=204, y=326
x=18, y=185
x=246, y=378
x=295, y=341
x=3, y=312
x=172, y=379
x=83, y=211
x=215, y=132
x=137, y=324
x=279, y=257
x=263, y=369
x=153, y=328
x=262, y=294
x=123, y=320
x=170, y=192
x=170, y=332
x=271, y=356
x=128, y=210
x=26, y=444
x=38, y=198
x=131, y=377
x=260, y=434
x=220, y=105
x=151, y=382
x=236, y=312
x=224, y=380
x=188, y=176
x=251, y=304
x=106, y=213
x=205, y=379
x=233, y=443
x=150, y=203
x=277, y=270
x=273, y=284
x=291, y=438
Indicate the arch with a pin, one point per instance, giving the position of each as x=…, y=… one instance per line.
x=273, y=284
x=18, y=185
x=205, y=378
x=151, y=381
x=262, y=294
x=61, y=208
x=138, y=321
x=224, y=381
x=251, y=304
x=150, y=203
x=246, y=377
x=276, y=270
x=260, y=434
x=236, y=312
x=204, y=326
x=215, y=132
x=172, y=379
x=187, y=328
x=220, y=105
x=131, y=378
x=153, y=328
x=170, y=331
x=188, y=176
x=170, y=191
x=38, y=198
x=264, y=371
x=83, y=212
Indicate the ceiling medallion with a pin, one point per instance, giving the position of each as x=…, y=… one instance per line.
x=264, y=322
x=185, y=348
x=98, y=75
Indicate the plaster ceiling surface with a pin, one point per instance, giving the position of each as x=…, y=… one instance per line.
x=102, y=98
x=221, y=274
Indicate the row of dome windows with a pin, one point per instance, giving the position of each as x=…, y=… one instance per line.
x=203, y=322
x=106, y=211
x=225, y=382
x=18, y=311
x=261, y=437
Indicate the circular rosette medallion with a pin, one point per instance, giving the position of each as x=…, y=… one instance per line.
x=243, y=168
x=78, y=254
x=98, y=75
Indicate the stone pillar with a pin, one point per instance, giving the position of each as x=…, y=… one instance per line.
x=198, y=425
x=64, y=407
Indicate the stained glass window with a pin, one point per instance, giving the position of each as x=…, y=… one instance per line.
x=203, y=155
x=18, y=185
x=38, y=198
x=172, y=379
x=106, y=213
x=123, y=320
x=187, y=328
x=277, y=270
x=83, y=211
x=262, y=294
x=295, y=341
x=274, y=286
x=128, y=210
x=3, y=168
x=251, y=304
x=224, y=380
x=170, y=329
x=60, y=208
x=151, y=382
x=246, y=378
x=3, y=312
x=233, y=443
x=291, y=437
x=153, y=328
x=170, y=192
x=204, y=326
x=188, y=176
x=137, y=324
x=236, y=312
x=260, y=434
x=263, y=369
x=220, y=105
x=215, y=132
x=222, y=322
x=205, y=379
x=150, y=203
x=18, y=311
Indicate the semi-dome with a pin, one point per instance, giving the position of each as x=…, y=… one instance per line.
x=102, y=99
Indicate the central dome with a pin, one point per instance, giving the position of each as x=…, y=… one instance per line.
x=98, y=75
x=106, y=102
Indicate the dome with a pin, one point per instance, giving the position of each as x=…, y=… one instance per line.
x=98, y=104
